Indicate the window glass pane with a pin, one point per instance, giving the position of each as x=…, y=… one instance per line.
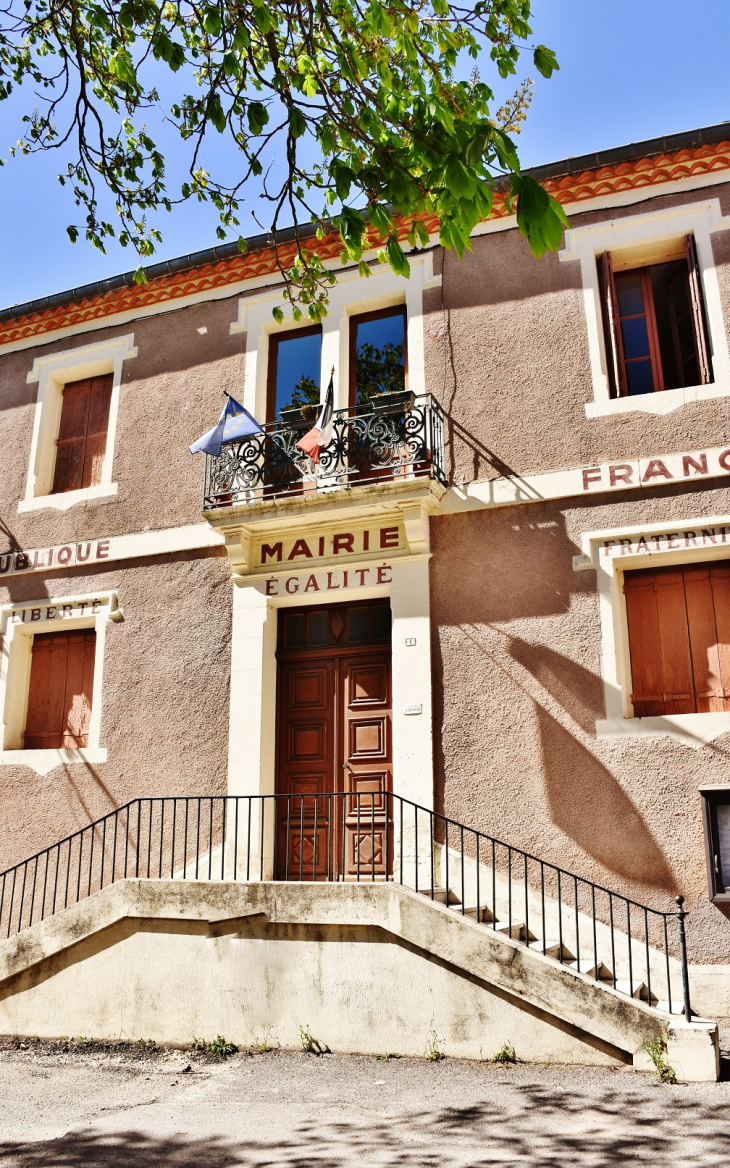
x=630, y=296
x=297, y=371
x=319, y=628
x=635, y=337
x=381, y=623
x=640, y=376
x=357, y=624
x=296, y=630
x=380, y=356
x=723, y=832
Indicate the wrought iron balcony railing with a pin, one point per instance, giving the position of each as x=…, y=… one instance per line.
x=397, y=437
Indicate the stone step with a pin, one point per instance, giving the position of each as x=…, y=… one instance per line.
x=553, y=949
x=587, y=965
x=482, y=913
x=624, y=986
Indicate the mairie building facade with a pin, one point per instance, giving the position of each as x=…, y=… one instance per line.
x=500, y=601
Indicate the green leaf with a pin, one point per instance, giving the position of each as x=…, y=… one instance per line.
x=215, y=113
x=278, y=315
x=460, y=181
x=72, y=233
x=297, y=122
x=257, y=116
x=212, y=22
x=506, y=150
x=545, y=61
x=122, y=66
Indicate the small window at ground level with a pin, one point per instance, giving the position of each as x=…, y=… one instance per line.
x=294, y=371
x=59, y=694
x=377, y=354
x=656, y=334
x=716, y=806
x=679, y=638
x=82, y=434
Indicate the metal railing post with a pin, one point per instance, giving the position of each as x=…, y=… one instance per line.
x=683, y=958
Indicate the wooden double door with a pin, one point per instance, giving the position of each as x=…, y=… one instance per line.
x=334, y=743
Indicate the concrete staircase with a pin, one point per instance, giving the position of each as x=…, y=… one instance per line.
x=586, y=963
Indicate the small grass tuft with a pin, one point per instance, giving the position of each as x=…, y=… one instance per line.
x=147, y=1043
x=433, y=1050
x=657, y=1052
x=220, y=1047
x=505, y=1054
x=310, y=1044
x=389, y=1055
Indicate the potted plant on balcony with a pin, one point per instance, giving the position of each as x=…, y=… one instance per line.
x=301, y=412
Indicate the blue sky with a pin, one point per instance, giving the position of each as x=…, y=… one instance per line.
x=630, y=69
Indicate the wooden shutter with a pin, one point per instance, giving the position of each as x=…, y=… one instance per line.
x=661, y=660
x=706, y=670
x=82, y=434
x=698, y=312
x=614, y=344
x=61, y=685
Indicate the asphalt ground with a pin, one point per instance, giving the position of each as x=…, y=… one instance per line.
x=93, y=1107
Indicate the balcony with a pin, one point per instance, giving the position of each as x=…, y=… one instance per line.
x=396, y=438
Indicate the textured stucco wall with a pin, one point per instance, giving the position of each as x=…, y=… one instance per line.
x=165, y=700
x=518, y=373
x=517, y=692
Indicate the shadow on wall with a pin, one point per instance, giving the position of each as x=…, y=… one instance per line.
x=512, y=562
x=578, y=690
x=588, y=804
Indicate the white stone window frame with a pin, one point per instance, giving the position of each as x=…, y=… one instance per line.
x=351, y=296
x=15, y=664
x=692, y=730
x=52, y=373
x=643, y=239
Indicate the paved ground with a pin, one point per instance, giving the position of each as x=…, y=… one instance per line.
x=59, y=1111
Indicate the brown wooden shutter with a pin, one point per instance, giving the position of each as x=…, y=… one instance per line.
x=661, y=661
x=71, y=442
x=709, y=694
x=614, y=343
x=698, y=312
x=61, y=685
x=82, y=434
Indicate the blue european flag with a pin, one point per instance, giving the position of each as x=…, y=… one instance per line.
x=234, y=422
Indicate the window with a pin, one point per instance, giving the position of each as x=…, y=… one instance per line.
x=59, y=694
x=679, y=638
x=294, y=371
x=716, y=814
x=654, y=318
x=377, y=354
x=82, y=434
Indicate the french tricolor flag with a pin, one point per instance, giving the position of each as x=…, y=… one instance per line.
x=321, y=432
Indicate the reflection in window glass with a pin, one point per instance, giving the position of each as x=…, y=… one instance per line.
x=297, y=371
x=379, y=356
x=296, y=631
x=319, y=628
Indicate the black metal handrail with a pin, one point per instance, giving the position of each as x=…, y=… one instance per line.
x=400, y=436
x=376, y=836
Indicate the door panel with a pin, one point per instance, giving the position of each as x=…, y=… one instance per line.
x=367, y=769
x=306, y=757
x=334, y=738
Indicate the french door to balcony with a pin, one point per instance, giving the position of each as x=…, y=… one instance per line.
x=334, y=749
